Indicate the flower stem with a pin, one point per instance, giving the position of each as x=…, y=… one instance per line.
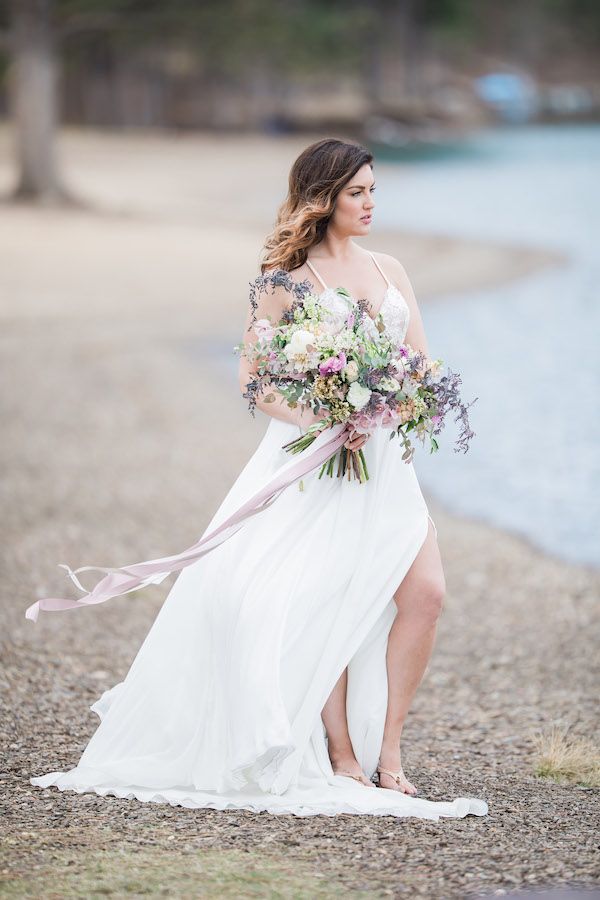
x=364, y=463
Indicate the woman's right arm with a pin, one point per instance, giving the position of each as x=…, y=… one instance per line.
x=271, y=305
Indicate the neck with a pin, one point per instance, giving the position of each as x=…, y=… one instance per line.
x=337, y=246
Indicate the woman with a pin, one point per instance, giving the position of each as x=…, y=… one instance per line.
x=279, y=672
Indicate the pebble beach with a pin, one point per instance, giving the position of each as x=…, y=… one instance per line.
x=123, y=427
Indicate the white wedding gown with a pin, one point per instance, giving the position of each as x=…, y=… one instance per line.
x=222, y=705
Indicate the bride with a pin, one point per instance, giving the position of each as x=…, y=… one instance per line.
x=279, y=672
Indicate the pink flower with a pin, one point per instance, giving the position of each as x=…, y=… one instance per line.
x=264, y=329
x=383, y=417
x=350, y=320
x=333, y=364
x=363, y=422
x=387, y=417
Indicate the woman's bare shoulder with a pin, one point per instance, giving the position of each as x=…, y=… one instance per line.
x=395, y=272
x=390, y=263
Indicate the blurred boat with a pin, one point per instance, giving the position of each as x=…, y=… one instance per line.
x=511, y=96
x=391, y=137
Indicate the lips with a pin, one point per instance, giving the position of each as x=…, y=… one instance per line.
x=366, y=219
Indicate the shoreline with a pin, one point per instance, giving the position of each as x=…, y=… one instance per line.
x=154, y=221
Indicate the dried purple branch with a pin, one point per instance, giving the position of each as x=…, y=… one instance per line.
x=274, y=279
x=255, y=387
x=447, y=396
x=373, y=378
x=360, y=310
x=413, y=364
x=372, y=404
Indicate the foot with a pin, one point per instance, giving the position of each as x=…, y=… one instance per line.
x=348, y=765
x=393, y=777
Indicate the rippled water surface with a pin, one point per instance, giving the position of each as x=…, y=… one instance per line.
x=528, y=349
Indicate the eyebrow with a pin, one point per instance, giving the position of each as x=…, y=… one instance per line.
x=350, y=186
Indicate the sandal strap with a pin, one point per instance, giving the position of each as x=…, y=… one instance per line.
x=347, y=774
x=395, y=775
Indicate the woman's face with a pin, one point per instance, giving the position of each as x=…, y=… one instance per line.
x=354, y=204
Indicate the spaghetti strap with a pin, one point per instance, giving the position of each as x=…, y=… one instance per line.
x=387, y=281
x=310, y=266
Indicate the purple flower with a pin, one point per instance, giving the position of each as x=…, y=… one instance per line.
x=350, y=320
x=333, y=364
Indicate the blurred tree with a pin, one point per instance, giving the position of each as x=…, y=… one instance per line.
x=250, y=45
x=253, y=63
x=33, y=99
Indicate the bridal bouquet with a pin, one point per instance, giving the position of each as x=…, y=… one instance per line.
x=344, y=366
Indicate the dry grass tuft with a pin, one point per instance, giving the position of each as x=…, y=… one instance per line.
x=567, y=759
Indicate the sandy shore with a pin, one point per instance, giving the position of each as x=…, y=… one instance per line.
x=177, y=224
x=117, y=326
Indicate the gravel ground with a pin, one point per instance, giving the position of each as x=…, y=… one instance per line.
x=516, y=647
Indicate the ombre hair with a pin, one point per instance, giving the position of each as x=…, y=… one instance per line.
x=316, y=178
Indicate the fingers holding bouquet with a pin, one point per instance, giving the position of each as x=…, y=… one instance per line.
x=318, y=422
x=356, y=439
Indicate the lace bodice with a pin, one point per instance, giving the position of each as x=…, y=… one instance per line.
x=394, y=311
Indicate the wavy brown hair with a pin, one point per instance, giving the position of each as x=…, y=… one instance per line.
x=316, y=178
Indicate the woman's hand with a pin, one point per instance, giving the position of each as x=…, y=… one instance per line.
x=356, y=440
x=306, y=418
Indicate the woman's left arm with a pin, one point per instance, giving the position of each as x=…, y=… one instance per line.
x=415, y=334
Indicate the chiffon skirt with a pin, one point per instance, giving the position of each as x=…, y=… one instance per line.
x=221, y=706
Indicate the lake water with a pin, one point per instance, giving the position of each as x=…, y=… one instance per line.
x=528, y=349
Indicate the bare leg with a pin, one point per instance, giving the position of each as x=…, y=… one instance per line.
x=419, y=601
x=341, y=752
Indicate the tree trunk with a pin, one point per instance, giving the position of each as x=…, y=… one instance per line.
x=34, y=101
x=412, y=50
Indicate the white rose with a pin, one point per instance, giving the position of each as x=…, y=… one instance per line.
x=350, y=371
x=358, y=395
x=297, y=345
x=410, y=386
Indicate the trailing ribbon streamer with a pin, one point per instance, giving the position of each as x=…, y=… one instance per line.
x=125, y=579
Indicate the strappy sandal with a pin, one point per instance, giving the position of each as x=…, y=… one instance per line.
x=350, y=775
x=396, y=776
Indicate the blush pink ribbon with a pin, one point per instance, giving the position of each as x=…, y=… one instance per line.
x=125, y=579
